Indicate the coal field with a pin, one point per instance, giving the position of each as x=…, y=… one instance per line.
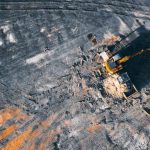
x=49, y=96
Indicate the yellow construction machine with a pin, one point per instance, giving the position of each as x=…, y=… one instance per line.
x=116, y=81
x=115, y=63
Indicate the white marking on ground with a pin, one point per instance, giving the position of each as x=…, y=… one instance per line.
x=11, y=38
x=123, y=28
x=1, y=42
x=49, y=35
x=5, y=28
x=39, y=57
x=43, y=29
x=74, y=133
x=35, y=59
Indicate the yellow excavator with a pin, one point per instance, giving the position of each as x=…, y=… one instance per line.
x=116, y=81
x=115, y=64
x=111, y=67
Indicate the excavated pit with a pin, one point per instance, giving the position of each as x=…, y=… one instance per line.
x=138, y=69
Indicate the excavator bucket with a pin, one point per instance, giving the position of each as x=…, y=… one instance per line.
x=130, y=88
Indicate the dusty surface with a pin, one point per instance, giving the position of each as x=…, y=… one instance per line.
x=49, y=96
x=113, y=88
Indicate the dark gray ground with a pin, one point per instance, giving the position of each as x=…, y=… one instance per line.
x=39, y=44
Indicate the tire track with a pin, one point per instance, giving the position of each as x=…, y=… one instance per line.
x=76, y=5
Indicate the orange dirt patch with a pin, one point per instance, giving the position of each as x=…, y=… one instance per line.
x=17, y=142
x=41, y=128
x=7, y=132
x=31, y=139
x=110, y=39
x=8, y=114
x=41, y=146
x=52, y=133
x=43, y=125
x=48, y=138
x=49, y=120
x=31, y=147
x=22, y=116
x=67, y=123
x=94, y=127
x=35, y=134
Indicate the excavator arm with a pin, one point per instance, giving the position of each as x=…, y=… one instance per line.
x=113, y=66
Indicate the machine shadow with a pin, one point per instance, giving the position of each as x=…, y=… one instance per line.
x=138, y=68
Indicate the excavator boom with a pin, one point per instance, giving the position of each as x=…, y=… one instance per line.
x=113, y=66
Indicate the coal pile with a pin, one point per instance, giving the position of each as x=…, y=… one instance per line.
x=50, y=95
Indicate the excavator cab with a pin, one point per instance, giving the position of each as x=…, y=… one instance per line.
x=112, y=66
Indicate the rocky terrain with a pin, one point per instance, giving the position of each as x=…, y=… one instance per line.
x=49, y=96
